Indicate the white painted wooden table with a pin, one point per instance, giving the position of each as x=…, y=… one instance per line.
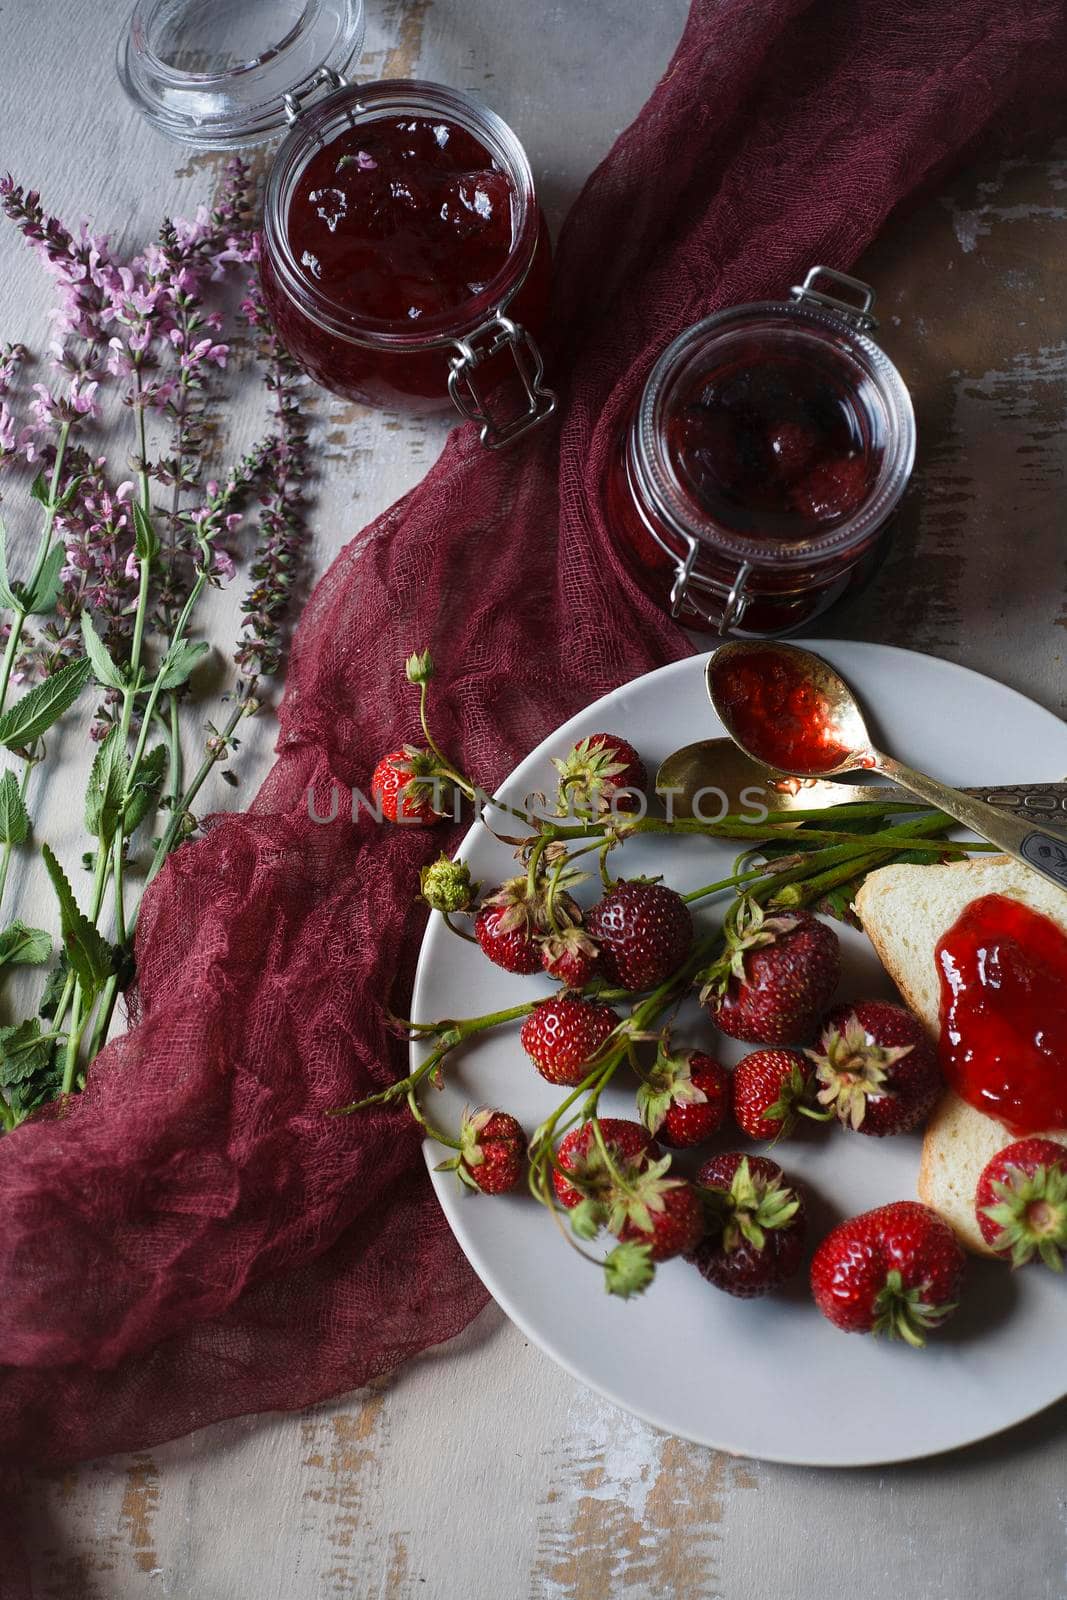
x=482, y=1470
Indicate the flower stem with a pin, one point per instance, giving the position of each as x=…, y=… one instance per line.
x=14, y=638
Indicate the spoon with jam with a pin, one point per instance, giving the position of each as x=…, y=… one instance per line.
x=788, y=709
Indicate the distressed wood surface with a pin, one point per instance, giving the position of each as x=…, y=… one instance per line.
x=482, y=1469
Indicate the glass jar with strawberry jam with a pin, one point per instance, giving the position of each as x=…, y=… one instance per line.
x=405, y=261
x=755, y=485
x=404, y=257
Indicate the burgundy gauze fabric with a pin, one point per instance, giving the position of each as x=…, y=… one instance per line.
x=193, y=1238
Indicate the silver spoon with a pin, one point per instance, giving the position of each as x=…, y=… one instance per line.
x=723, y=781
x=817, y=731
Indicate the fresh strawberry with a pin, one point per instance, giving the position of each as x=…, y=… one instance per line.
x=562, y=1035
x=685, y=1097
x=1021, y=1202
x=670, y=1221
x=405, y=786
x=876, y=1067
x=775, y=977
x=595, y=773
x=833, y=489
x=643, y=932
x=507, y=942
x=492, y=1147
x=755, y=1225
x=769, y=1088
x=570, y=956
x=896, y=1270
x=509, y=922
x=627, y=1142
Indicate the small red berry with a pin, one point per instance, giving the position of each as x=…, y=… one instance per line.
x=769, y=1087
x=643, y=932
x=507, y=943
x=562, y=1035
x=685, y=1098
x=1021, y=1202
x=570, y=956
x=492, y=1148
x=755, y=1225
x=404, y=785
x=896, y=1270
x=775, y=977
x=877, y=1068
x=626, y=1141
x=674, y=1224
x=596, y=772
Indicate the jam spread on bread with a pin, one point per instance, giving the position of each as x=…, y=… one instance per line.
x=1003, y=975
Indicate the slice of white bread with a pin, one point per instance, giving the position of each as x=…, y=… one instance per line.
x=904, y=911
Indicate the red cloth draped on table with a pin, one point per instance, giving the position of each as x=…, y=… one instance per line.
x=192, y=1238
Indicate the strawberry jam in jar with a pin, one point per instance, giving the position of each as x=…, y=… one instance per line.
x=405, y=261
x=755, y=485
x=404, y=257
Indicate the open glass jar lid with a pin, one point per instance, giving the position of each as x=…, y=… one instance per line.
x=220, y=73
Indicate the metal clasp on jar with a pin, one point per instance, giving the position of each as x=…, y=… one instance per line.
x=472, y=354
x=296, y=101
x=857, y=315
x=735, y=601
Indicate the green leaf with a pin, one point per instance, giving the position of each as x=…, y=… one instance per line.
x=14, y=818
x=22, y=1051
x=92, y=959
x=146, y=541
x=105, y=671
x=8, y=597
x=107, y=787
x=179, y=662
x=35, y=713
x=70, y=491
x=30, y=1067
x=53, y=989
x=40, y=490
x=43, y=596
x=24, y=947
x=144, y=792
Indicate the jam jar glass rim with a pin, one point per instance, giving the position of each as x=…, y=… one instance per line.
x=658, y=482
x=405, y=97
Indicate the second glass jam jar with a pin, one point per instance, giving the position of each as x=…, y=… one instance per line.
x=756, y=482
x=404, y=256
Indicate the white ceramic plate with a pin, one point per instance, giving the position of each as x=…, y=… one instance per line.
x=768, y=1378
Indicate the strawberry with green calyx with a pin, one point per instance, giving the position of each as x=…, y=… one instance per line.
x=446, y=885
x=512, y=920
x=580, y=1170
x=661, y=1212
x=896, y=1270
x=1021, y=1202
x=775, y=977
x=771, y=1087
x=409, y=786
x=755, y=1225
x=877, y=1068
x=416, y=784
x=685, y=1097
x=594, y=775
x=490, y=1152
x=569, y=955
